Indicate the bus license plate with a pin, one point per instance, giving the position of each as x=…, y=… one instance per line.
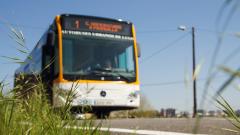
x=86, y=102
x=103, y=102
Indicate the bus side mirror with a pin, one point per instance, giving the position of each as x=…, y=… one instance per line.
x=138, y=50
x=50, y=38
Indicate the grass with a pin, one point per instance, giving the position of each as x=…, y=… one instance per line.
x=227, y=11
x=223, y=104
x=36, y=116
x=229, y=8
x=26, y=109
x=231, y=114
x=225, y=14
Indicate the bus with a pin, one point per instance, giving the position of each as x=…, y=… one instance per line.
x=99, y=55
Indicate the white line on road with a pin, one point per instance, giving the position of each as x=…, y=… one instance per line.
x=136, y=131
x=131, y=131
x=142, y=132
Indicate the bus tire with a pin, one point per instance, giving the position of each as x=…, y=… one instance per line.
x=102, y=114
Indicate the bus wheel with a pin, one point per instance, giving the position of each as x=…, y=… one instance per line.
x=102, y=115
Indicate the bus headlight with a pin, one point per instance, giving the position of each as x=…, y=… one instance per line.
x=133, y=95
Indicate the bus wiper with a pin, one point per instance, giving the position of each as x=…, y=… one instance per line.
x=102, y=69
x=99, y=71
x=124, y=77
x=110, y=72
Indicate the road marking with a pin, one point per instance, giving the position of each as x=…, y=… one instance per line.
x=136, y=131
x=231, y=130
x=142, y=132
x=122, y=130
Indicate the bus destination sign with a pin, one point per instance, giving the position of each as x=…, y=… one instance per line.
x=88, y=24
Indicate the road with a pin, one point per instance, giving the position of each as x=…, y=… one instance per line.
x=213, y=126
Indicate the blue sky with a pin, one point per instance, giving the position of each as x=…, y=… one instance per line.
x=156, y=21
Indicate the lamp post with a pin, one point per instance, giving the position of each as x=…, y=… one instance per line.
x=184, y=28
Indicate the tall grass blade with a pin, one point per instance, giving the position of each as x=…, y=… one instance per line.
x=22, y=51
x=232, y=117
x=226, y=83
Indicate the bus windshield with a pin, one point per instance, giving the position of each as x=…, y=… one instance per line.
x=98, y=59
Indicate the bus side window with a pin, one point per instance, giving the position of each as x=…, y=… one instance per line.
x=46, y=58
x=47, y=55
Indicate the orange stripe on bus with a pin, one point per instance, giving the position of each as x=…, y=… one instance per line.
x=59, y=28
x=136, y=54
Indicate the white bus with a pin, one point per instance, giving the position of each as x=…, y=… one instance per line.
x=100, y=55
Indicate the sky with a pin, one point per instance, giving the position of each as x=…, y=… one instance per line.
x=166, y=61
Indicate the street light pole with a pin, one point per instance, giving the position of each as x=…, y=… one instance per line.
x=194, y=77
x=183, y=28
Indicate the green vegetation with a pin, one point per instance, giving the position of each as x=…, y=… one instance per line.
x=223, y=104
x=231, y=114
x=34, y=115
x=229, y=7
x=26, y=109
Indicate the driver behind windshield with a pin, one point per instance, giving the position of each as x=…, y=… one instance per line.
x=107, y=64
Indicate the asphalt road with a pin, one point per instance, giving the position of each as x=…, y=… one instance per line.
x=213, y=126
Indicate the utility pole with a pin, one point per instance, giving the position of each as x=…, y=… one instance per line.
x=184, y=28
x=194, y=77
